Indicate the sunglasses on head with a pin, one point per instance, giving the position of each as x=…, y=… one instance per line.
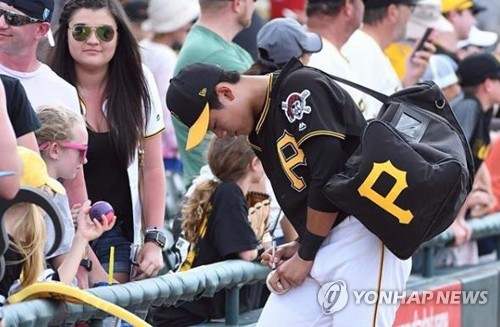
x=81, y=32
x=14, y=19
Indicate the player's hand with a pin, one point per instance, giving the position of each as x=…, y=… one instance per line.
x=282, y=253
x=292, y=272
x=150, y=261
x=461, y=234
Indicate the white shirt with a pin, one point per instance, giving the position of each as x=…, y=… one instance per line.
x=154, y=126
x=44, y=87
x=331, y=61
x=372, y=67
x=161, y=59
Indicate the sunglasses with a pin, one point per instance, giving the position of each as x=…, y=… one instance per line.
x=13, y=19
x=81, y=32
x=82, y=148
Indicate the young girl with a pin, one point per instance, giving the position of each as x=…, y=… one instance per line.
x=62, y=140
x=27, y=231
x=215, y=222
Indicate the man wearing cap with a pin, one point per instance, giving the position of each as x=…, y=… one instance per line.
x=461, y=14
x=384, y=23
x=210, y=41
x=281, y=39
x=22, y=26
x=296, y=121
x=427, y=14
x=335, y=21
x=479, y=76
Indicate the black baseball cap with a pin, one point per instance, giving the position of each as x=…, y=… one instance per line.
x=474, y=69
x=373, y=4
x=39, y=9
x=187, y=98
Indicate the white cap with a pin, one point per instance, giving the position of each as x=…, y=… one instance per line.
x=170, y=15
x=442, y=71
x=427, y=13
x=479, y=38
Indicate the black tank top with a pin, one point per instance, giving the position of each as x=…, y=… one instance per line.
x=107, y=180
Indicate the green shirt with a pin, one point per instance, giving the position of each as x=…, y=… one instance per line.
x=203, y=45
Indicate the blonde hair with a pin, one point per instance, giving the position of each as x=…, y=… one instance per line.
x=229, y=159
x=29, y=235
x=57, y=124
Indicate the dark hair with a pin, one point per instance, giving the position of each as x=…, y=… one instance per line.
x=259, y=68
x=229, y=76
x=329, y=8
x=129, y=104
x=373, y=16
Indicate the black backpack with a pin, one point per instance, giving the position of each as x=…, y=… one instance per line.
x=412, y=171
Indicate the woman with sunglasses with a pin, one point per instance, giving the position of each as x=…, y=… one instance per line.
x=97, y=53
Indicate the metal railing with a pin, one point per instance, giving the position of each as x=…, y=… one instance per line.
x=488, y=226
x=201, y=281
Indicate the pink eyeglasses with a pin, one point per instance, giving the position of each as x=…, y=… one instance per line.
x=82, y=148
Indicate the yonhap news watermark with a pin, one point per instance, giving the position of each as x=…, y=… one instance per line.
x=334, y=296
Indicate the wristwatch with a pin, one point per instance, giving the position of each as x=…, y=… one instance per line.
x=155, y=235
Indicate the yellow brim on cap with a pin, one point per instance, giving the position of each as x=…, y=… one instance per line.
x=449, y=5
x=199, y=129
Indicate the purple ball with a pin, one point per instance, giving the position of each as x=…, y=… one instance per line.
x=101, y=208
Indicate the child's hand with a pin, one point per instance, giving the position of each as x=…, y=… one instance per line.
x=90, y=229
x=74, y=213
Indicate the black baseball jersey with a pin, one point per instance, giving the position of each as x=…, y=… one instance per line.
x=302, y=138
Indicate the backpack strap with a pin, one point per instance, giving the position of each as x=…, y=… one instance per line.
x=377, y=95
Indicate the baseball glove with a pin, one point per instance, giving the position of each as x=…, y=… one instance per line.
x=258, y=215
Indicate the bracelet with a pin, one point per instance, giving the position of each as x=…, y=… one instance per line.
x=148, y=229
x=310, y=245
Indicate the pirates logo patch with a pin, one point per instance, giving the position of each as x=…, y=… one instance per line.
x=295, y=105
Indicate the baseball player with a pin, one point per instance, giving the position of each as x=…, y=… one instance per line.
x=297, y=121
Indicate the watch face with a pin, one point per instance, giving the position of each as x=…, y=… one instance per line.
x=162, y=239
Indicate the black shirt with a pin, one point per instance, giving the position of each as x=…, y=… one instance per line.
x=106, y=179
x=228, y=232
x=475, y=123
x=21, y=113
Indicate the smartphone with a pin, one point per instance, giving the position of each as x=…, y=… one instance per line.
x=424, y=39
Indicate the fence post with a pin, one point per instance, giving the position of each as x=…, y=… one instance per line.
x=428, y=262
x=232, y=306
x=497, y=242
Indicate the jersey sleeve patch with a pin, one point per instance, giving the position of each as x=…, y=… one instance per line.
x=295, y=105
